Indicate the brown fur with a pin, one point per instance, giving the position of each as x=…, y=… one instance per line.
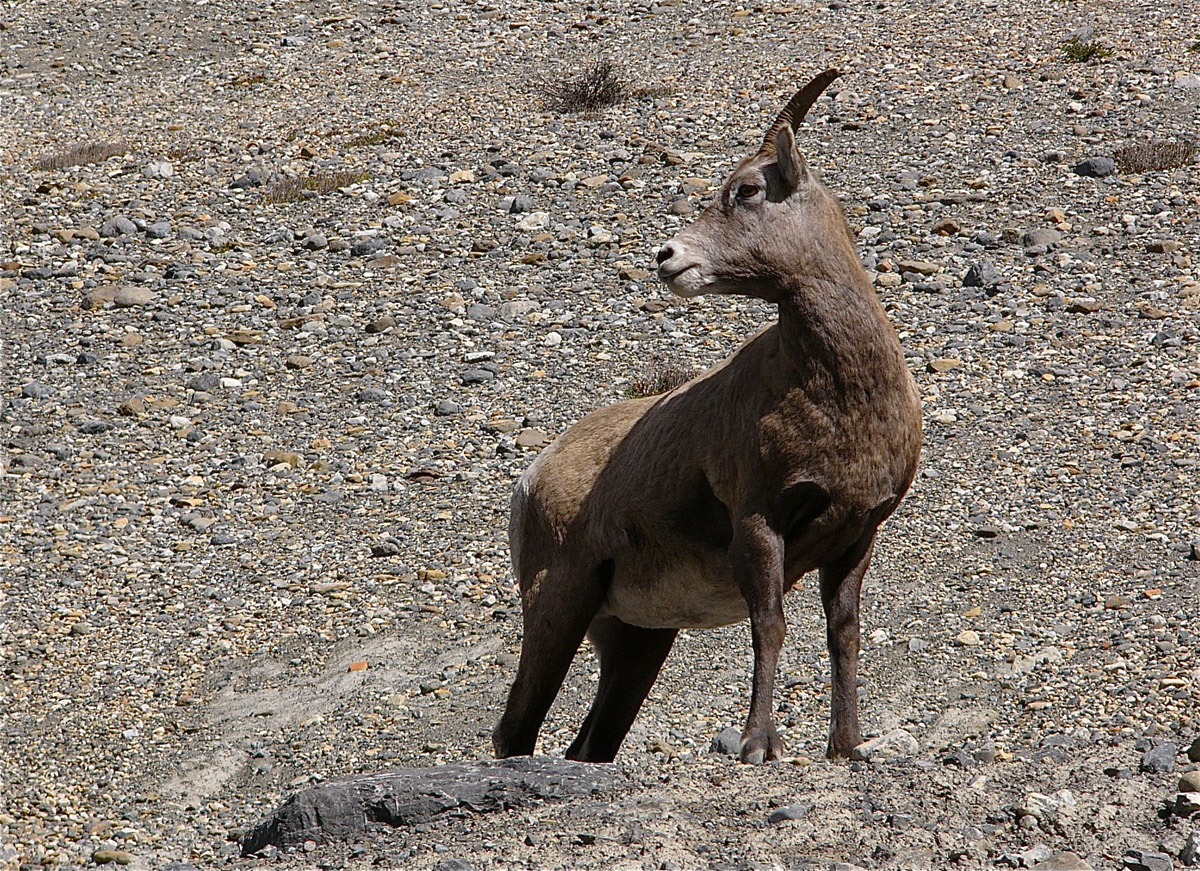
x=706, y=505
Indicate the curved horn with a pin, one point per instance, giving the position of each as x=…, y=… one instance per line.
x=793, y=113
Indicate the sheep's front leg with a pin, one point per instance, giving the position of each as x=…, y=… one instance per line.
x=757, y=555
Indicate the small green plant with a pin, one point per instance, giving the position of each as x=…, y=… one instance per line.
x=598, y=87
x=1139, y=157
x=290, y=190
x=657, y=377
x=1080, y=52
x=1195, y=46
x=374, y=137
x=81, y=155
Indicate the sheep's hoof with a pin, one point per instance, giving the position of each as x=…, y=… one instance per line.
x=759, y=746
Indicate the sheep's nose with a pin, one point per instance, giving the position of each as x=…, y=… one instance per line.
x=665, y=253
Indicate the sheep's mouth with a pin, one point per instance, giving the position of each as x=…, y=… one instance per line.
x=672, y=276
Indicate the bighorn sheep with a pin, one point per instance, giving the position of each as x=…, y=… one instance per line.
x=705, y=505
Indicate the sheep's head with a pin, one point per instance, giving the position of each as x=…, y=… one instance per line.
x=772, y=219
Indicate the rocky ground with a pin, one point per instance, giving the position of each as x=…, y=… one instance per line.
x=273, y=357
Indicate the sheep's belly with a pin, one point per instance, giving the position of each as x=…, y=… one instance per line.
x=690, y=596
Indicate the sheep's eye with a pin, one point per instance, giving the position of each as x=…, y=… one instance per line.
x=747, y=191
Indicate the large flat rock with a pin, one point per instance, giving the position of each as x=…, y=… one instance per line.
x=347, y=806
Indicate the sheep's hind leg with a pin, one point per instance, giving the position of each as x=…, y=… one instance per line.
x=557, y=610
x=841, y=583
x=630, y=659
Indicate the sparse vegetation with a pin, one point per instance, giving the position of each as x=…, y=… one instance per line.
x=1195, y=46
x=290, y=190
x=374, y=137
x=598, y=87
x=1139, y=157
x=1078, y=51
x=658, y=377
x=81, y=155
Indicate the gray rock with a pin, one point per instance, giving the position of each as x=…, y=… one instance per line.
x=118, y=226
x=481, y=313
x=1062, y=861
x=453, y=865
x=895, y=743
x=521, y=204
x=478, y=376
x=1190, y=854
x=517, y=308
x=131, y=297
x=728, y=742
x=367, y=246
x=982, y=274
x=1096, y=167
x=1043, y=237
x=346, y=807
x=96, y=427
x=446, y=408
x=34, y=390
x=791, y=812
x=205, y=382
x=1160, y=759
x=315, y=242
x=1193, y=753
x=252, y=178
x=159, y=229
x=1146, y=860
x=371, y=394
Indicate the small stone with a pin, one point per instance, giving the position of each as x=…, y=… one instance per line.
x=1190, y=781
x=921, y=267
x=298, y=361
x=1190, y=854
x=478, y=376
x=1041, y=237
x=531, y=438
x=1146, y=860
x=453, y=864
x=446, y=408
x=118, y=226
x=205, y=382
x=1061, y=861
x=727, y=742
x=681, y=206
x=1011, y=83
x=1163, y=246
x=250, y=179
x=1096, y=167
x=534, y=221
x=1048, y=807
x=159, y=230
x=982, y=274
x=129, y=297
x=105, y=857
x=315, y=242
x=898, y=742
x=1085, y=306
x=132, y=407
x=1160, y=759
x=1193, y=752
x=276, y=457
x=967, y=638
x=945, y=227
x=34, y=390
x=1187, y=804
x=791, y=812
x=96, y=427
x=371, y=394
x=381, y=323
x=385, y=549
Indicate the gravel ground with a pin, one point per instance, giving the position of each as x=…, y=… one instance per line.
x=270, y=369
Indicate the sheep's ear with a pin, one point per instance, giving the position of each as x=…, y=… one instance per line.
x=792, y=167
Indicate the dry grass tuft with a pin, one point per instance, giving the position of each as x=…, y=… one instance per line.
x=598, y=87
x=658, y=377
x=1081, y=52
x=1139, y=157
x=81, y=155
x=291, y=190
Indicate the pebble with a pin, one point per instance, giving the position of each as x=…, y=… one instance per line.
x=1096, y=167
x=131, y=297
x=118, y=857
x=897, y=743
x=478, y=376
x=790, y=812
x=983, y=274
x=1160, y=759
x=1048, y=807
x=1193, y=751
x=1190, y=854
x=1061, y=861
x=119, y=226
x=1146, y=860
x=727, y=742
